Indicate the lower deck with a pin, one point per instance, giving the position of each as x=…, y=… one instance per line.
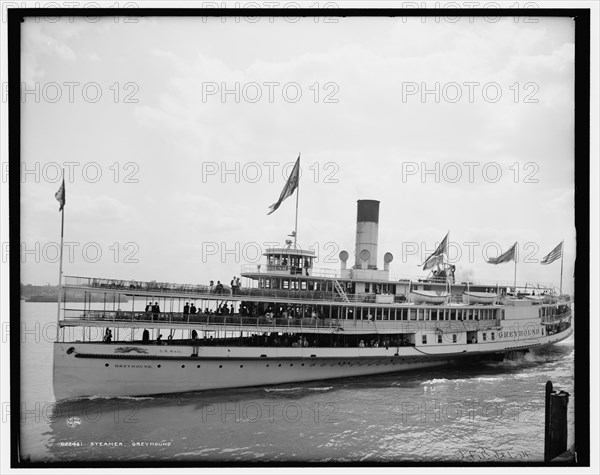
x=133, y=369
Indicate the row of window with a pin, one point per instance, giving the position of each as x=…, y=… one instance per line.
x=427, y=314
x=455, y=337
x=322, y=285
x=551, y=311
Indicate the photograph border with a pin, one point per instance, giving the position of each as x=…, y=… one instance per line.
x=581, y=187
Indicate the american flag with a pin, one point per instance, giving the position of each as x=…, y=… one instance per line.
x=555, y=254
x=60, y=195
x=508, y=256
x=290, y=186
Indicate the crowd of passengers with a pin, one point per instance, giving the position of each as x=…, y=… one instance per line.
x=275, y=340
x=246, y=309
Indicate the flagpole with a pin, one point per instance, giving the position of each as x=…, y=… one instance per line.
x=297, y=194
x=62, y=232
x=446, y=266
x=562, y=254
x=516, y=256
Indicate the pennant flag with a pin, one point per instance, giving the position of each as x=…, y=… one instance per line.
x=60, y=195
x=290, y=186
x=555, y=254
x=508, y=256
x=438, y=256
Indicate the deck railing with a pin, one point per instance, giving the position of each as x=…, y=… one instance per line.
x=104, y=317
x=170, y=318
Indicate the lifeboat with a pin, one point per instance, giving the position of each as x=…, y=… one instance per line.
x=479, y=297
x=428, y=296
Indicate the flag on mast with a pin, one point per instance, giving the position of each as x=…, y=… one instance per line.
x=289, y=188
x=438, y=255
x=554, y=255
x=506, y=257
x=60, y=195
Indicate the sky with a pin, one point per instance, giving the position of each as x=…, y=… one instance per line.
x=176, y=134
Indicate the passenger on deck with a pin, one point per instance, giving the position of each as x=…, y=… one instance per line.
x=219, y=287
x=211, y=287
x=193, y=308
x=149, y=308
x=159, y=340
x=145, y=336
x=186, y=308
x=155, y=309
x=108, y=336
x=473, y=340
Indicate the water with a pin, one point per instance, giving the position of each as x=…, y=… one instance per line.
x=484, y=412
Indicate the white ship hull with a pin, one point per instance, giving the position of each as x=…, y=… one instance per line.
x=88, y=369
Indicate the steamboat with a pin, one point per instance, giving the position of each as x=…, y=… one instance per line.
x=288, y=321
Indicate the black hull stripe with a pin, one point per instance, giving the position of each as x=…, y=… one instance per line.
x=258, y=358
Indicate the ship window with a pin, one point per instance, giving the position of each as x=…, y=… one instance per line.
x=424, y=339
x=493, y=336
x=454, y=338
x=453, y=315
x=439, y=338
x=286, y=284
x=303, y=285
x=484, y=336
x=413, y=314
x=421, y=313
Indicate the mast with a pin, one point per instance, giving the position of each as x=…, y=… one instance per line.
x=297, y=194
x=516, y=257
x=446, y=266
x=62, y=232
x=562, y=254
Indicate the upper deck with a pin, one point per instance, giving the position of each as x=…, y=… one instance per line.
x=327, y=292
